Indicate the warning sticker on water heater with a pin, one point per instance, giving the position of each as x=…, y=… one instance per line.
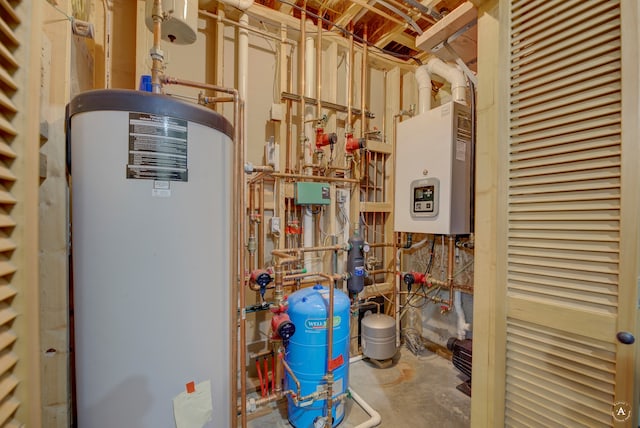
x=157, y=148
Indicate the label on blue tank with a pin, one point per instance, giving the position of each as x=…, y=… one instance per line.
x=321, y=323
x=359, y=271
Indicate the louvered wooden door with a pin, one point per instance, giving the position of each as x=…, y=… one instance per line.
x=19, y=144
x=569, y=216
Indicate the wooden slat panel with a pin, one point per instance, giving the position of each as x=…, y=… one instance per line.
x=9, y=11
x=562, y=29
x=7, y=56
x=7, y=338
x=6, y=150
x=7, y=32
x=6, y=410
x=7, y=80
x=602, y=326
x=7, y=104
x=6, y=268
x=563, y=214
x=572, y=76
x=7, y=385
x=7, y=361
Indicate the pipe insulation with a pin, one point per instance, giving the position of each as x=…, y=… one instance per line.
x=243, y=67
x=463, y=326
x=424, y=88
x=453, y=75
x=238, y=4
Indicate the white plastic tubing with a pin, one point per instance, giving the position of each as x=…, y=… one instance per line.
x=374, y=417
x=462, y=326
x=239, y=4
x=450, y=72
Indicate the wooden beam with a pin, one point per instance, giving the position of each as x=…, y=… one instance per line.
x=276, y=18
x=462, y=16
x=349, y=14
x=399, y=36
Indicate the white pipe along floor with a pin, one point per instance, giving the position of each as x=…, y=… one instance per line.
x=415, y=392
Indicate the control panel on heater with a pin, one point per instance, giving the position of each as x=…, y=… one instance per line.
x=425, y=197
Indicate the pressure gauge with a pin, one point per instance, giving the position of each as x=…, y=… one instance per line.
x=366, y=247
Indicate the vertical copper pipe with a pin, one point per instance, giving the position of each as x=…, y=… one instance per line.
x=157, y=59
x=363, y=83
x=319, y=67
x=350, y=81
x=261, y=239
x=451, y=246
x=241, y=267
x=252, y=191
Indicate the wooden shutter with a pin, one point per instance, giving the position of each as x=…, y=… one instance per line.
x=563, y=212
x=19, y=368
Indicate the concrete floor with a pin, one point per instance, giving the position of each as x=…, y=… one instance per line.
x=417, y=391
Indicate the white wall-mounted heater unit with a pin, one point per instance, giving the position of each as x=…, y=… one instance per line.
x=433, y=172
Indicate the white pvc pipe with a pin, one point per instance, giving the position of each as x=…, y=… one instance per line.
x=374, y=417
x=239, y=4
x=243, y=68
x=308, y=228
x=462, y=326
x=424, y=88
x=453, y=75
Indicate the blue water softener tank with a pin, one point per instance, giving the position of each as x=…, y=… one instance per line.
x=306, y=352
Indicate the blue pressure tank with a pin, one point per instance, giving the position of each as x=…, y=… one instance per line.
x=306, y=352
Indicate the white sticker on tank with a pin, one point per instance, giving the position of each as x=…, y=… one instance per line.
x=337, y=387
x=339, y=410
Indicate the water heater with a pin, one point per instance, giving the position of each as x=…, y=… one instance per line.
x=433, y=172
x=151, y=221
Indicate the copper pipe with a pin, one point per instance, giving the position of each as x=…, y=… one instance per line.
x=315, y=178
x=238, y=256
x=319, y=68
x=241, y=262
x=451, y=244
x=157, y=57
x=213, y=100
x=363, y=83
x=350, y=81
x=261, y=240
x=289, y=116
x=252, y=190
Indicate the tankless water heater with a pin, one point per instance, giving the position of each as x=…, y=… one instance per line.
x=433, y=172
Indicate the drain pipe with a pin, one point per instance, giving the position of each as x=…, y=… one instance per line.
x=374, y=417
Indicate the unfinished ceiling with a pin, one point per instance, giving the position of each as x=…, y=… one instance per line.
x=393, y=25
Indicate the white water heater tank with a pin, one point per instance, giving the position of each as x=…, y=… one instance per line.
x=151, y=222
